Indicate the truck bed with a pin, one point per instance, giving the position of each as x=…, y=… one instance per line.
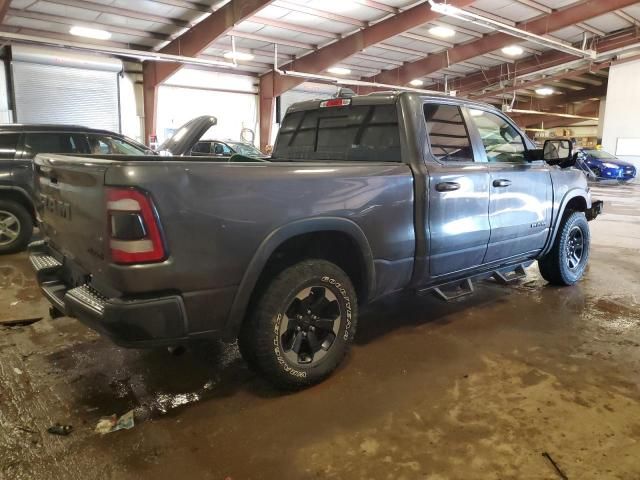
x=215, y=215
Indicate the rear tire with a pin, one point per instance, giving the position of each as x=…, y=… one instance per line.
x=302, y=325
x=16, y=227
x=565, y=264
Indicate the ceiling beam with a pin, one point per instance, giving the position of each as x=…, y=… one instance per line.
x=625, y=16
x=46, y=17
x=378, y=6
x=559, y=19
x=373, y=35
x=4, y=8
x=542, y=81
x=572, y=97
x=198, y=38
x=123, y=12
x=481, y=80
x=295, y=7
x=293, y=27
x=536, y=6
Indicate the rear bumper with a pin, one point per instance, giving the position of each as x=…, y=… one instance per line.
x=149, y=321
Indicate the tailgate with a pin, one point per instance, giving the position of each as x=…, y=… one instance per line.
x=72, y=209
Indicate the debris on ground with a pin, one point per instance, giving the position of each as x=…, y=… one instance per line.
x=58, y=429
x=17, y=371
x=113, y=423
x=560, y=473
x=19, y=322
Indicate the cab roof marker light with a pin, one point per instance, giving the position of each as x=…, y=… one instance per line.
x=124, y=205
x=336, y=102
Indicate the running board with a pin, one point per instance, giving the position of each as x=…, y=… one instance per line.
x=506, y=277
x=451, y=291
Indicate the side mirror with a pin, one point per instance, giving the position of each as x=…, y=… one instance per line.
x=557, y=152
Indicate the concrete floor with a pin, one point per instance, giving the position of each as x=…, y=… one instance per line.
x=474, y=390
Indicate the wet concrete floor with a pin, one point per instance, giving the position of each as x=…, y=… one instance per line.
x=478, y=389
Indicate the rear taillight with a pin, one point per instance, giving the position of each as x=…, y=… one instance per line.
x=134, y=229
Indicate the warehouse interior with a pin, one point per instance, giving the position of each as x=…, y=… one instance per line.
x=508, y=376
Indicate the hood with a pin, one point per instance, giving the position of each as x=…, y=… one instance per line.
x=181, y=142
x=615, y=161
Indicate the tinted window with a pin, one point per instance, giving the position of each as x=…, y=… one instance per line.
x=221, y=149
x=501, y=140
x=246, y=149
x=8, y=143
x=364, y=132
x=108, y=145
x=202, y=147
x=447, y=133
x=60, y=142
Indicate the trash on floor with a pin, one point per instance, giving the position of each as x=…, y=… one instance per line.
x=113, y=423
x=59, y=429
x=17, y=371
x=19, y=322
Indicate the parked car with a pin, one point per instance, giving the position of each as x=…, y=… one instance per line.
x=18, y=146
x=363, y=197
x=225, y=149
x=601, y=165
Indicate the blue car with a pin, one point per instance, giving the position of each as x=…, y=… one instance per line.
x=601, y=165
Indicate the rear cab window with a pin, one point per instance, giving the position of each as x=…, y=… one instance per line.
x=340, y=133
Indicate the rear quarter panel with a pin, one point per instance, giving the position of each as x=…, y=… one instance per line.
x=216, y=215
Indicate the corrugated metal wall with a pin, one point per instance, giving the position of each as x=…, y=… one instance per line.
x=52, y=86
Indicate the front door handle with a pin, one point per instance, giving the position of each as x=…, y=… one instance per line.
x=447, y=186
x=503, y=182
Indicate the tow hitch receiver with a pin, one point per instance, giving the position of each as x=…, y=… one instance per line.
x=595, y=210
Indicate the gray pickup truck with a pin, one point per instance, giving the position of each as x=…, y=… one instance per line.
x=363, y=197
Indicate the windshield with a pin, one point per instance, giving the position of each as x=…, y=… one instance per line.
x=600, y=154
x=245, y=149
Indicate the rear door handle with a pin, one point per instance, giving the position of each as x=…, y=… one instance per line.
x=503, y=182
x=447, y=186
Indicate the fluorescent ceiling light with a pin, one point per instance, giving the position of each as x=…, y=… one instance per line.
x=443, y=32
x=455, y=12
x=544, y=91
x=239, y=56
x=90, y=33
x=416, y=83
x=339, y=71
x=513, y=50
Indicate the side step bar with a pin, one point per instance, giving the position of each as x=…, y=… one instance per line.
x=457, y=289
x=505, y=277
x=452, y=291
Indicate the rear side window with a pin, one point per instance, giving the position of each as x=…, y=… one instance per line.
x=447, y=133
x=8, y=144
x=47, y=142
x=358, y=133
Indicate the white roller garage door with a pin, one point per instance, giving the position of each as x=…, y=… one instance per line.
x=53, y=86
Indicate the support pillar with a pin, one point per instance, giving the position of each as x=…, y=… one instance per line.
x=150, y=92
x=267, y=107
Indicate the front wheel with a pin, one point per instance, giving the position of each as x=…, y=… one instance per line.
x=567, y=260
x=302, y=325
